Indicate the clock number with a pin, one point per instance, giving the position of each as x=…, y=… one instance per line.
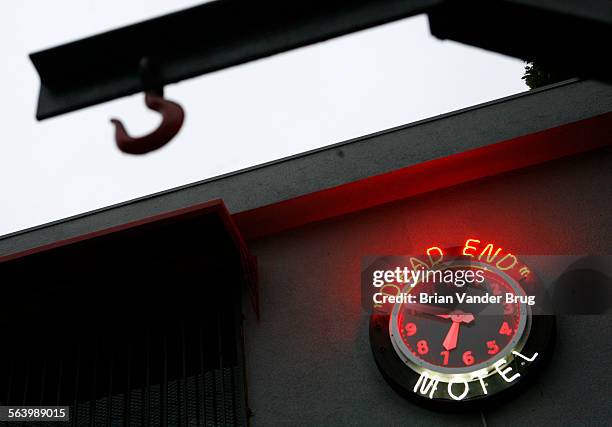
x=422, y=347
x=492, y=346
x=505, y=329
x=508, y=308
x=411, y=329
x=446, y=354
x=468, y=359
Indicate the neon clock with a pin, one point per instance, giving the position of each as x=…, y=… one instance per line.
x=463, y=346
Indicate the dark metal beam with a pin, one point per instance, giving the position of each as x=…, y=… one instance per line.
x=572, y=35
x=195, y=41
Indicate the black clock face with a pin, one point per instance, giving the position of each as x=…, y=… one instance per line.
x=460, y=337
x=463, y=346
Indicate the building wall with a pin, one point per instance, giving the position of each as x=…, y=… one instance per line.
x=309, y=359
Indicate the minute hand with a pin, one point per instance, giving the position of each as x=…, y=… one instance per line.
x=450, y=342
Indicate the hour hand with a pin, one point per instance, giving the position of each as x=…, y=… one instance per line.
x=458, y=317
x=467, y=318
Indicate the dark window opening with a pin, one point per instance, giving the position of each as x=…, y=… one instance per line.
x=139, y=327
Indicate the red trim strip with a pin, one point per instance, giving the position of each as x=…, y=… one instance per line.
x=531, y=149
x=486, y=161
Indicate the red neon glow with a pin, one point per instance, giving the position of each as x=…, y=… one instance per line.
x=450, y=342
x=505, y=329
x=454, y=345
x=438, y=251
x=490, y=256
x=493, y=159
x=471, y=248
x=467, y=246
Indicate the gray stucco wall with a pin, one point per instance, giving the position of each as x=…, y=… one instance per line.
x=309, y=360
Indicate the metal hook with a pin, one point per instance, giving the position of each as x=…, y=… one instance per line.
x=172, y=121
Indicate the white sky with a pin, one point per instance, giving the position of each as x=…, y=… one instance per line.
x=238, y=117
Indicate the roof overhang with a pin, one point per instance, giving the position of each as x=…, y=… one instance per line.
x=475, y=142
x=224, y=33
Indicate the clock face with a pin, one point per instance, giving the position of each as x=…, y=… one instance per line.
x=459, y=337
x=462, y=345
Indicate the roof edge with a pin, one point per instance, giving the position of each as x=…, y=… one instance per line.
x=333, y=146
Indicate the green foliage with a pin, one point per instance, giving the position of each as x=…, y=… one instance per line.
x=537, y=75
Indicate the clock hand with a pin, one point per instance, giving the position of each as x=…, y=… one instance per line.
x=450, y=342
x=467, y=318
x=427, y=309
x=458, y=316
